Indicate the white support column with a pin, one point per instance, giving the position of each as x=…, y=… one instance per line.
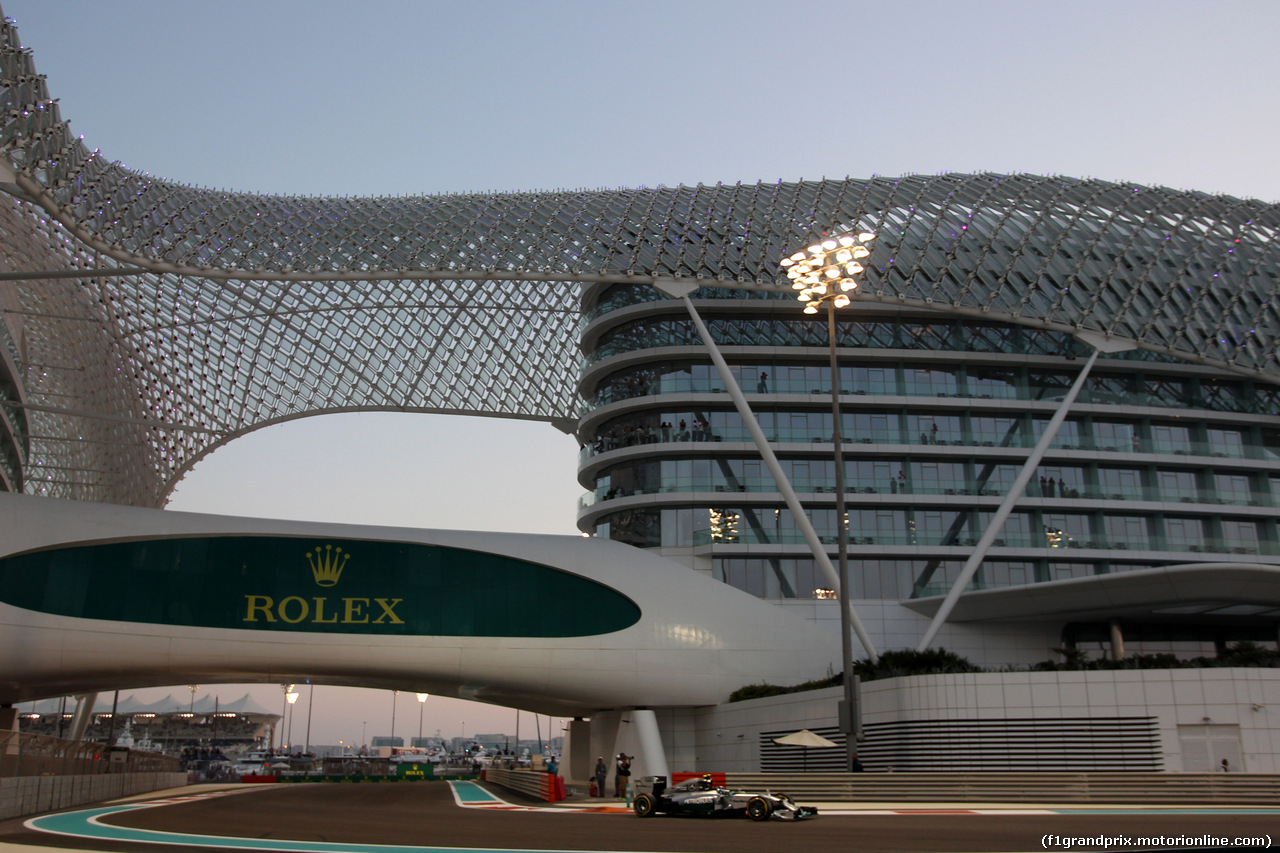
x=681, y=290
x=651, y=759
x=1117, y=640
x=1015, y=491
x=84, y=712
x=576, y=762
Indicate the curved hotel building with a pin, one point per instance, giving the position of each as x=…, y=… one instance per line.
x=1160, y=462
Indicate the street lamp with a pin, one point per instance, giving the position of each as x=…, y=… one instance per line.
x=394, y=695
x=311, y=701
x=422, y=704
x=286, y=689
x=823, y=273
x=292, y=698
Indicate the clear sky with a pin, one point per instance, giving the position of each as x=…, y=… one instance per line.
x=388, y=97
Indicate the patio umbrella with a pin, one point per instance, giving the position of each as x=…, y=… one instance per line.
x=805, y=739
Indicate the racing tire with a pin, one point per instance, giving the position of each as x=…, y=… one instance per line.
x=644, y=806
x=758, y=808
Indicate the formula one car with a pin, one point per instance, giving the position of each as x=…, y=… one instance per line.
x=700, y=796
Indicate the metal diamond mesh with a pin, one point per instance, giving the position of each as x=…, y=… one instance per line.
x=252, y=309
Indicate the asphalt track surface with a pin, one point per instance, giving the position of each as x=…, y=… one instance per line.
x=426, y=816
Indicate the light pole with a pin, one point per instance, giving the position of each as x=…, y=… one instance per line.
x=422, y=704
x=394, y=695
x=286, y=689
x=292, y=698
x=311, y=701
x=823, y=273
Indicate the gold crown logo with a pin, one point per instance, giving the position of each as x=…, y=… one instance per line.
x=327, y=566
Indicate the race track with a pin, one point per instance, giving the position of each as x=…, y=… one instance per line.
x=335, y=818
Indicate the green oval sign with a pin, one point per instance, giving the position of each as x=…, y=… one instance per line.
x=303, y=584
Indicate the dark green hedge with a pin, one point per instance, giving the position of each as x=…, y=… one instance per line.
x=902, y=662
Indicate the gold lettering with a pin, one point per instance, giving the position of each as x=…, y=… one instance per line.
x=388, y=611
x=285, y=617
x=295, y=609
x=354, y=610
x=260, y=603
x=319, y=600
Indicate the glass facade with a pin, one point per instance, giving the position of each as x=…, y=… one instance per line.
x=1158, y=462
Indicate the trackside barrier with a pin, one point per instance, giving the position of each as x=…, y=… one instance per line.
x=23, y=754
x=534, y=783
x=995, y=787
x=303, y=778
x=720, y=780
x=28, y=795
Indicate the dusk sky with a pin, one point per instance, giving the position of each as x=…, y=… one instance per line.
x=390, y=97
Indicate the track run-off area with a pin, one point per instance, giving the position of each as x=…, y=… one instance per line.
x=465, y=816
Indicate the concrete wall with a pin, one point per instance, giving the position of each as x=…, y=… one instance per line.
x=1202, y=715
x=28, y=795
x=892, y=626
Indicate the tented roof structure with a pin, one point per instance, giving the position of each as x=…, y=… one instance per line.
x=206, y=704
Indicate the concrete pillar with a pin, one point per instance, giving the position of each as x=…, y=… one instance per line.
x=8, y=718
x=84, y=713
x=651, y=759
x=1117, y=641
x=577, y=762
x=636, y=734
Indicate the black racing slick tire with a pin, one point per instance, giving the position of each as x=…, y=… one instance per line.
x=644, y=806
x=758, y=808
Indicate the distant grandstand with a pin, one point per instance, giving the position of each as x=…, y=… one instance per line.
x=169, y=725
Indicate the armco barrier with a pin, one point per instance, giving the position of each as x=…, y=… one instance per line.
x=379, y=778
x=420, y=777
x=28, y=795
x=534, y=783
x=720, y=780
x=1156, y=788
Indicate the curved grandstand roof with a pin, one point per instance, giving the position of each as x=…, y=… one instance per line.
x=245, y=309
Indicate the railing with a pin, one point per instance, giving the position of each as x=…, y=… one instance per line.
x=681, y=485
x=23, y=754
x=745, y=535
x=1001, y=787
x=682, y=384
x=534, y=783
x=643, y=435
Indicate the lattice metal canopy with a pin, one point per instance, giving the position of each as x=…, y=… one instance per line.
x=250, y=309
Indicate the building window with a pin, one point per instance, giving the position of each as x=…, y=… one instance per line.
x=1240, y=536
x=1184, y=534
x=1126, y=532
x=1170, y=438
x=1177, y=486
x=1115, y=435
x=1226, y=442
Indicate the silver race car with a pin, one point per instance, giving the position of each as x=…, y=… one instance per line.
x=700, y=796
